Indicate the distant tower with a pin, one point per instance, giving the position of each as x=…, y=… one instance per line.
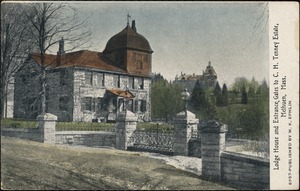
x=61, y=49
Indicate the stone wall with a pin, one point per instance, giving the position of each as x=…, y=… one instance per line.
x=86, y=138
x=245, y=171
x=28, y=134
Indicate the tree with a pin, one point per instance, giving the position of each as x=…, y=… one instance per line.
x=224, y=95
x=198, y=98
x=48, y=23
x=15, y=46
x=157, y=77
x=239, y=84
x=166, y=99
x=244, y=96
x=218, y=94
x=200, y=102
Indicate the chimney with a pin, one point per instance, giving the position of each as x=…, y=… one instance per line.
x=133, y=25
x=61, y=50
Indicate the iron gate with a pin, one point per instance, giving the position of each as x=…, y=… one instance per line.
x=152, y=140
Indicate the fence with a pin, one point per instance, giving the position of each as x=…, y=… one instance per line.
x=206, y=140
x=152, y=140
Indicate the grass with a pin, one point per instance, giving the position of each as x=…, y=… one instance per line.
x=18, y=123
x=60, y=126
x=27, y=165
x=84, y=126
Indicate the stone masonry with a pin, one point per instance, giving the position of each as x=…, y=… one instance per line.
x=185, y=122
x=212, y=145
x=47, y=123
x=125, y=126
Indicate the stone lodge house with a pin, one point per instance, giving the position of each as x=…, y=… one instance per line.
x=208, y=79
x=87, y=85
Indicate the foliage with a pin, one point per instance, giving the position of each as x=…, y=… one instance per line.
x=224, y=95
x=157, y=77
x=244, y=96
x=251, y=120
x=60, y=126
x=47, y=24
x=83, y=126
x=166, y=99
x=261, y=147
x=218, y=94
x=202, y=103
x=16, y=43
x=155, y=127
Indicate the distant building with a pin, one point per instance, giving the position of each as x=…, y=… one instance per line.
x=87, y=85
x=208, y=79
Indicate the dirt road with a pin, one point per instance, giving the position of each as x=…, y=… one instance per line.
x=31, y=165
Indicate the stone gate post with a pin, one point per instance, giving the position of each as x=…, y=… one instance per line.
x=125, y=126
x=46, y=125
x=212, y=145
x=185, y=122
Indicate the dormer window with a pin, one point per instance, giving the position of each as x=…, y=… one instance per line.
x=139, y=65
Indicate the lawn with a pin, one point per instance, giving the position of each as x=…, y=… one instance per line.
x=31, y=165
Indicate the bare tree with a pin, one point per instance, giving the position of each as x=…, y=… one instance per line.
x=15, y=46
x=48, y=23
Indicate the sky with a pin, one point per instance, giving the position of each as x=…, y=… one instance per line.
x=186, y=36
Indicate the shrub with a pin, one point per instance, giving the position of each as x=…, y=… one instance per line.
x=155, y=127
x=84, y=126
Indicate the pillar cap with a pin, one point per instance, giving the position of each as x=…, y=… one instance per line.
x=213, y=126
x=127, y=116
x=47, y=117
x=186, y=114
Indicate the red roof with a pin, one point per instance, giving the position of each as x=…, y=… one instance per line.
x=121, y=93
x=128, y=38
x=83, y=58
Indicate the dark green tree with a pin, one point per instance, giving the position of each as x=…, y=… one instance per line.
x=201, y=104
x=198, y=96
x=224, y=95
x=244, y=96
x=166, y=99
x=218, y=94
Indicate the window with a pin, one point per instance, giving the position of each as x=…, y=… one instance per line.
x=63, y=103
x=131, y=83
x=62, y=78
x=142, y=104
x=98, y=104
x=140, y=82
x=101, y=81
x=139, y=65
x=88, y=78
x=116, y=82
x=86, y=104
x=130, y=105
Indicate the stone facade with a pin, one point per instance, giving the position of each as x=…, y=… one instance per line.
x=79, y=84
x=208, y=79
